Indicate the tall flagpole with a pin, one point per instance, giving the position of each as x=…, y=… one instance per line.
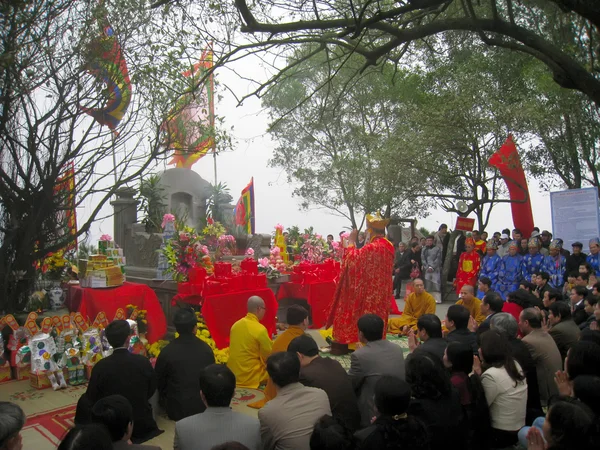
x=212, y=109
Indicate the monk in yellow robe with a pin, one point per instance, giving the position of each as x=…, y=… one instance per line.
x=418, y=303
x=472, y=303
x=297, y=319
x=250, y=346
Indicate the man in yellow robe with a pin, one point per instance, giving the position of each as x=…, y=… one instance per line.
x=472, y=303
x=418, y=303
x=297, y=320
x=250, y=346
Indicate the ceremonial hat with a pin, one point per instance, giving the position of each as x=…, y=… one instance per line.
x=546, y=233
x=491, y=244
x=556, y=244
x=595, y=241
x=504, y=236
x=513, y=244
x=577, y=244
x=470, y=241
x=377, y=222
x=533, y=242
x=535, y=234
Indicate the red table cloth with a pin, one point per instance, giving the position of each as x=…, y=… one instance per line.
x=223, y=310
x=89, y=302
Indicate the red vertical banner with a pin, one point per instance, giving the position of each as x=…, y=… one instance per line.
x=507, y=161
x=67, y=218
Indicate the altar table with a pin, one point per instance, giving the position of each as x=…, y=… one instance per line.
x=89, y=302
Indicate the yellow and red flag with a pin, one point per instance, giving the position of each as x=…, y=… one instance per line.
x=66, y=214
x=244, y=210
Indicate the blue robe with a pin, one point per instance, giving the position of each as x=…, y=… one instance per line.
x=556, y=268
x=509, y=275
x=594, y=261
x=531, y=265
x=489, y=268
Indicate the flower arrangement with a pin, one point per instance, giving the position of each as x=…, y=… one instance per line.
x=226, y=245
x=167, y=218
x=211, y=234
x=250, y=252
x=140, y=318
x=276, y=261
x=314, y=248
x=221, y=356
x=185, y=251
x=271, y=271
x=155, y=349
x=54, y=266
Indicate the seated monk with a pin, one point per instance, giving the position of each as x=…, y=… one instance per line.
x=472, y=303
x=297, y=319
x=250, y=346
x=418, y=303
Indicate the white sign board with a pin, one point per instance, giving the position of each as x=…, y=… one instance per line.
x=575, y=216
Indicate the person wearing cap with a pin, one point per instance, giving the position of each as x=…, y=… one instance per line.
x=503, y=246
x=594, y=257
x=490, y=266
x=469, y=264
x=546, y=238
x=575, y=259
x=480, y=244
x=555, y=264
x=532, y=261
x=509, y=274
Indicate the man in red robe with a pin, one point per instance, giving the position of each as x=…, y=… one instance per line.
x=365, y=284
x=468, y=266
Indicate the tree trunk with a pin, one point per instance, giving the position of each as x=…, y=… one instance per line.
x=448, y=263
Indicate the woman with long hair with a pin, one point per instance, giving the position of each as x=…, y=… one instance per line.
x=505, y=389
x=394, y=428
x=458, y=358
x=436, y=402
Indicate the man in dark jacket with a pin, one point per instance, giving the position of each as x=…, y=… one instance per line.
x=429, y=338
x=125, y=374
x=457, y=322
x=411, y=259
x=398, y=261
x=575, y=259
x=178, y=368
x=329, y=375
x=563, y=329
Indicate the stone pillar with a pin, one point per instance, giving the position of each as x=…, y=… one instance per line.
x=125, y=214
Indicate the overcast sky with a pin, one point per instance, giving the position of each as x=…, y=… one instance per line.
x=273, y=195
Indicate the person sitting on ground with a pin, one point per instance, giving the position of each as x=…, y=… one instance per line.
x=436, y=402
x=484, y=285
x=541, y=280
x=330, y=434
x=570, y=284
x=377, y=357
x=472, y=303
x=218, y=424
x=505, y=389
x=428, y=338
x=86, y=437
x=516, y=302
x=250, y=346
x=551, y=296
x=394, y=428
x=12, y=420
x=567, y=426
x=508, y=327
x=178, y=368
x=491, y=304
x=297, y=320
x=418, y=303
x=458, y=358
x=589, y=303
x=287, y=421
x=543, y=350
x=126, y=374
x=578, y=295
x=457, y=322
x=562, y=327
x=329, y=375
x=116, y=414
x=583, y=280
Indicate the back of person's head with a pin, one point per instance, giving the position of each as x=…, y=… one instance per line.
x=185, y=321
x=117, y=333
x=283, y=368
x=581, y=291
x=296, y=315
x=431, y=324
x=570, y=424
x=533, y=316
x=217, y=383
x=460, y=355
x=496, y=352
x=427, y=376
x=494, y=301
x=371, y=326
x=590, y=335
x=329, y=434
x=583, y=358
x=87, y=437
x=115, y=413
x=560, y=309
x=586, y=388
x=12, y=420
x=506, y=324
x=231, y=445
x=305, y=345
x=555, y=294
x=459, y=315
x=392, y=395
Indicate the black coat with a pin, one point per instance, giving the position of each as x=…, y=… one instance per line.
x=464, y=336
x=178, y=369
x=573, y=263
x=579, y=314
x=406, y=266
x=521, y=353
x=132, y=377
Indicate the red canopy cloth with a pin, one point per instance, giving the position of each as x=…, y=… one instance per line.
x=190, y=299
x=89, y=302
x=221, y=311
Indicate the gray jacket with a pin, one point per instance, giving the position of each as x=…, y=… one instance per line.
x=367, y=365
x=431, y=257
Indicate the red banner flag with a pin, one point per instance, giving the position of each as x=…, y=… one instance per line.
x=66, y=214
x=507, y=161
x=464, y=224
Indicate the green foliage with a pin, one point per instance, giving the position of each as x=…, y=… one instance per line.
x=219, y=194
x=152, y=204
